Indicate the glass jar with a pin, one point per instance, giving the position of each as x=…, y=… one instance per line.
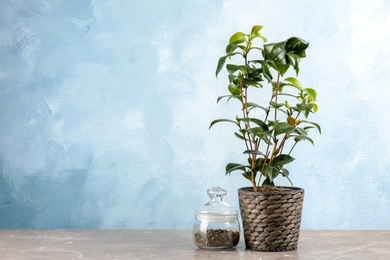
x=216, y=224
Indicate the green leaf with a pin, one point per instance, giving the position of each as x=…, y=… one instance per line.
x=274, y=51
x=220, y=64
x=230, y=167
x=222, y=61
x=255, y=33
x=234, y=90
x=265, y=69
x=312, y=94
x=282, y=159
x=253, y=152
x=238, y=37
x=222, y=120
x=259, y=35
x=254, y=131
x=267, y=73
x=284, y=172
x=280, y=67
x=233, y=79
x=271, y=172
x=301, y=131
x=315, y=107
x=251, y=82
x=254, y=120
x=239, y=136
x=297, y=46
x=305, y=108
x=312, y=123
x=239, y=97
x=256, y=29
x=303, y=138
x=287, y=94
x=254, y=105
x=283, y=128
x=230, y=48
x=267, y=182
x=247, y=175
x=254, y=73
x=294, y=82
x=258, y=132
x=256, y=48
x=276, y=105
x=260, y=123
x=232, y=68
x=294, y=61
x=292, y=185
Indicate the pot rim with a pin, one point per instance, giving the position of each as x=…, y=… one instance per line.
x=285, y=189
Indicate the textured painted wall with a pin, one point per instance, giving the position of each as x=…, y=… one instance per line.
x=105, y=107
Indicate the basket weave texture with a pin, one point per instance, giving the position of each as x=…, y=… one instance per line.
x=271, y=220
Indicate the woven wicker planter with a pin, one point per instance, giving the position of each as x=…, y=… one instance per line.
x=271, y=220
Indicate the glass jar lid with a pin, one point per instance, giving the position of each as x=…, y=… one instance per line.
x=216, y=209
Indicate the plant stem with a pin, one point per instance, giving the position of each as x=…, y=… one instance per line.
x=292, y=148
x=250, y=140
x=275, y=95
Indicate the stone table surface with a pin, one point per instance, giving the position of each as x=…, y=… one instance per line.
x=178, y=244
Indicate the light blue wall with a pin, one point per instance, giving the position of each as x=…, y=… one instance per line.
x=105, y=107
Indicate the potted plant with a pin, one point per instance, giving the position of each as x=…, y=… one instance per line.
x=270, y=131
